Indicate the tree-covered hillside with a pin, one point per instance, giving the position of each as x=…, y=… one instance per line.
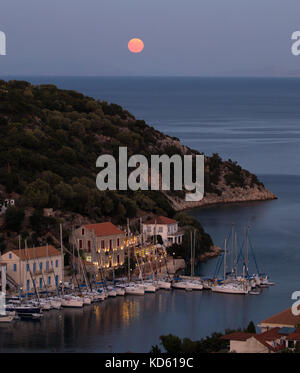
x=50, y=140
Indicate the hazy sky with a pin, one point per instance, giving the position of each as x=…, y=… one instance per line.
x=182, y=37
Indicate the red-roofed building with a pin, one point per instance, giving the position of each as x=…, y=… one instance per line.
x=270, y=341
x=42, y=264
x=102, y=243
x=284, y=319
x=164, y=227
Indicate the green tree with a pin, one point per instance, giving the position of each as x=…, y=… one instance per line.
x=37, y=194
x=171, y=343
x=251, y=328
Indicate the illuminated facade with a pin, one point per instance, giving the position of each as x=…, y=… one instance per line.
x=102, y=243
x=164, y=227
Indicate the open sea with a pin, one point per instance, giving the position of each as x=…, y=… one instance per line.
x=255, y=121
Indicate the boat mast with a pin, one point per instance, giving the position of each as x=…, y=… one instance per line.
x=246, y=248
x=225, y=244
x=128, y=250
x=191, y=236
x=41, y=269
x=52, y=267
x=155, y=248
x=31, y=276
x=99, y=260
x=236, y=254
x=232, y=247
x=194, y=252
x=62, y=258
x=20, y=272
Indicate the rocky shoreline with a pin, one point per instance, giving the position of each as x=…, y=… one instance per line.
x=212, y=253
x=229, y=195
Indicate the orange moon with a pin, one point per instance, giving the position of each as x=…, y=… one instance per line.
x=135, y=45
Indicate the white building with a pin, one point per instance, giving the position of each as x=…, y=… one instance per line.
x=40, y=264
x=166, y=228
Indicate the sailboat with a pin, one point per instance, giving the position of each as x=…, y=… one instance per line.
x=190, y=283
x=229, y=287
x=67, y=300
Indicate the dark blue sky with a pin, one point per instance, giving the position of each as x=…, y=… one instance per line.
x=182, y=37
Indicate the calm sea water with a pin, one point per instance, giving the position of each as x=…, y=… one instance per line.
x=253, y=121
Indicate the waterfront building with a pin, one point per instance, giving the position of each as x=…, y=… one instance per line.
x=279, y=332
x=40, y=265
x=164, y=227
x=102, y=243
x=267, y=342
x=284, y=319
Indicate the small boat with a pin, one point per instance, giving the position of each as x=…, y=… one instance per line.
x=254, y=292
x=55, y=303
x=86, y=300
x=45, y=305
x=195, y=285
x=179, y=285
x=111, y=292
x=149, y=287
x=188, y=285
x=164, y=284
x=30, y=309
x=120, y=291
x=6, y=318
x=229, y=289
x=134, y=290
x=71, y=302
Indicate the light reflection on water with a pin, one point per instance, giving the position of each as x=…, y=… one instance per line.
x=134, y=323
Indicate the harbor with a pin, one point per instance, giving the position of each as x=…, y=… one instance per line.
x=120, y=323
x=94, y=281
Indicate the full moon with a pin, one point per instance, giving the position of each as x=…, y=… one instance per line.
x=135, y=45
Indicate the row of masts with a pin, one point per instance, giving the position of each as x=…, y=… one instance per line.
x=234, y=253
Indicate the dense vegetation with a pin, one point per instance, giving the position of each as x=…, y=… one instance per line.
x=173, y=344
x=202, y=239
x=50, y=140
